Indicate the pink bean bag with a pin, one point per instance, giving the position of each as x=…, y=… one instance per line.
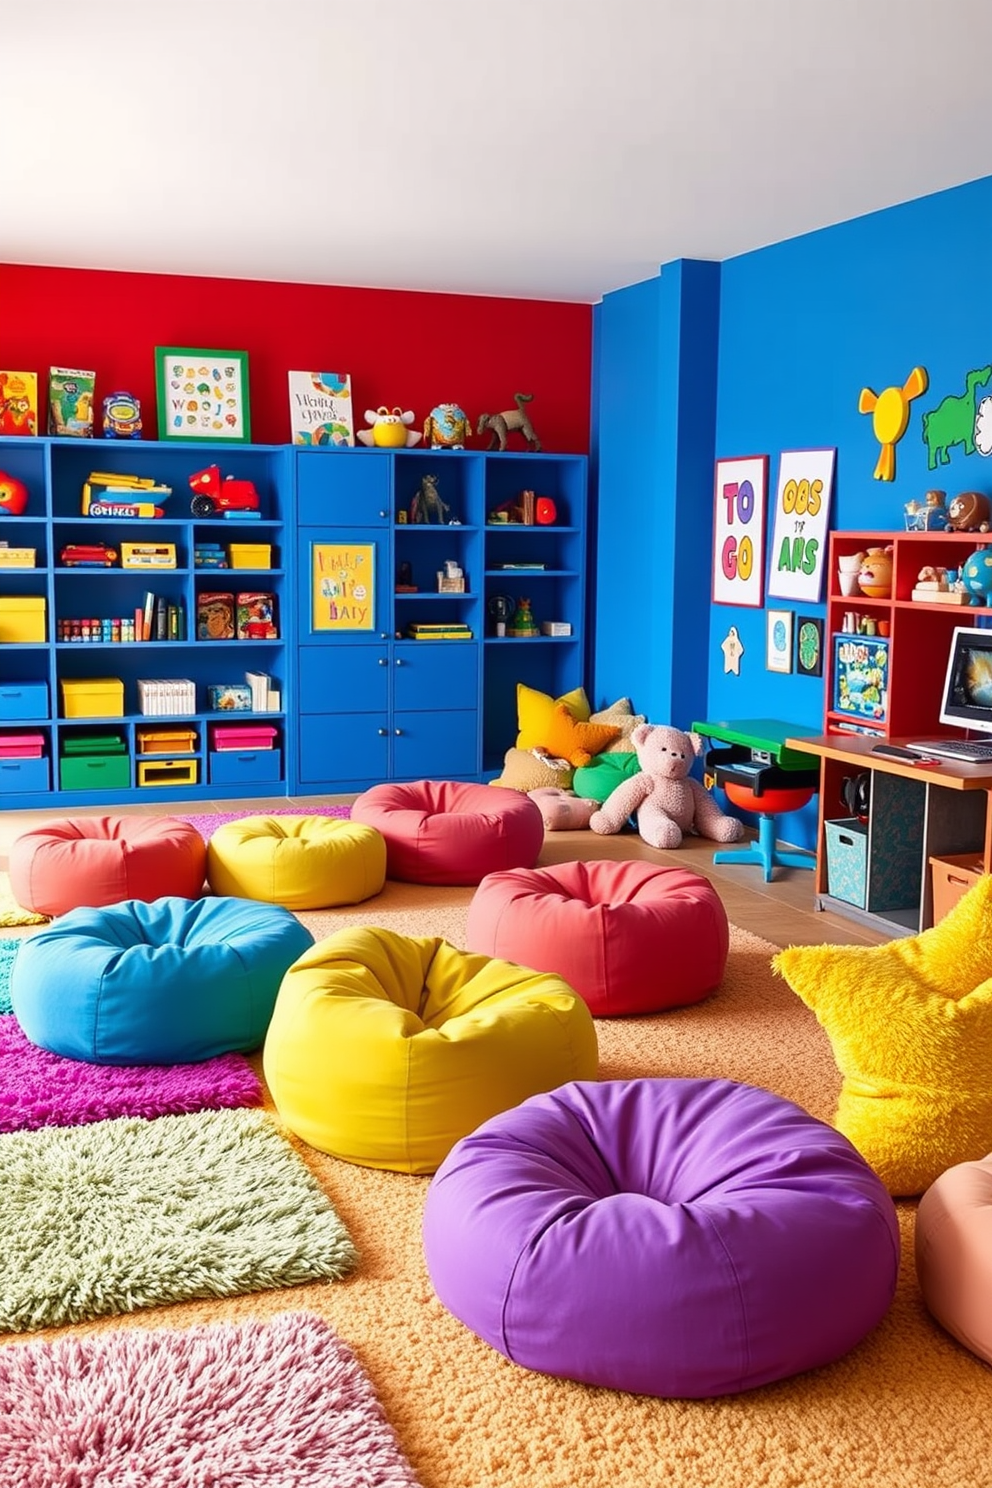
x=628, y=937
x=96, y=860
x=954, y=1253
x=445, y=832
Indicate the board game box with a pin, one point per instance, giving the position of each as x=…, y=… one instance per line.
x=256, y=611
x=861, y=676
x=215, y=616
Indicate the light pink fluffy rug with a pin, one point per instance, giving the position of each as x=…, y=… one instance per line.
x=278, y=1404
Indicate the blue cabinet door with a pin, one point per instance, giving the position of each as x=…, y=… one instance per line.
x=435, y=675
x=436, y=745
x=343, y=751
x=337, y=679
x=340, y=488
x=345, y=586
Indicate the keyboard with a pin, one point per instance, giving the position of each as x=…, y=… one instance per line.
x=972, y=751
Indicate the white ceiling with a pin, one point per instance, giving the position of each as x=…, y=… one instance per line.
x=554, y=149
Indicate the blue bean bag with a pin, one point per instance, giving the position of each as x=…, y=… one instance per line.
x=173, y=981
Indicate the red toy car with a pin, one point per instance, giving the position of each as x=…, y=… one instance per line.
x=211, y=494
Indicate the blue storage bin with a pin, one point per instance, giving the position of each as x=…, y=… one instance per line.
x=18, y=776
x=245, y=766
x=847, y=860
x=23, y=700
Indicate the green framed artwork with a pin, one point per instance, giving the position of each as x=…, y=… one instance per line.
x=202, y=394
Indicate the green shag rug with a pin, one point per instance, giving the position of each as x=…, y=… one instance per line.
x=118, y=1215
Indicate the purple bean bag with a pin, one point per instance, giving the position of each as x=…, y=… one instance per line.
x=685, y=1238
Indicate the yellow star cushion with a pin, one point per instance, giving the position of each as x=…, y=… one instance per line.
x=560, y=734
x=533, y=708
x=910, y=1023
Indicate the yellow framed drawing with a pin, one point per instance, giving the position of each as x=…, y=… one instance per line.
x=342, y=586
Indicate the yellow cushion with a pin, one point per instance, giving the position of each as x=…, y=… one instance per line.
x=533, y=708
x=910, y=1023
x=300, y=862
x=564, y=738
x=386, y=1049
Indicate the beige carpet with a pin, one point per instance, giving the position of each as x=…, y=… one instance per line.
x=909, y=1408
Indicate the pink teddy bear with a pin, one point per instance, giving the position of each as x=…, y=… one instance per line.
x=668, y=802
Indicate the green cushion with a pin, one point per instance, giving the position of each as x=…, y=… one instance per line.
x=603, y=774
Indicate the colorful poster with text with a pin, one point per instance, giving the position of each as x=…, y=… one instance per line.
x=739, y=531
x=799, y=533
x=343, y=586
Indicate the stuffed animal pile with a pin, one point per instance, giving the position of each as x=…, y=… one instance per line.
x=668, y=802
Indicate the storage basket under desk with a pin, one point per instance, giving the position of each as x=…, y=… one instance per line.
x=878, y=866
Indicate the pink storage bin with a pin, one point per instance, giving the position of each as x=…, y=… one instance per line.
x=244, y=736
x=21, y=746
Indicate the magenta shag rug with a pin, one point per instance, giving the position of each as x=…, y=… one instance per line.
x=42, y=1089
x=278, y=1404
x=207, y=822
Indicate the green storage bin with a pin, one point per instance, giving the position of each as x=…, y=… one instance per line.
x=93, y=744
x=95, y=772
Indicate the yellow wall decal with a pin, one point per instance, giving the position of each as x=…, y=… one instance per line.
x=890, y=415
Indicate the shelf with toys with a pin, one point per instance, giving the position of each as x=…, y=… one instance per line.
x=137, y=547
x=894, y=601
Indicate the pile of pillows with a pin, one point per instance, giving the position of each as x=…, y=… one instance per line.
x=561, y=743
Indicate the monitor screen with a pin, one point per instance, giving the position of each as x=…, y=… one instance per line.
x=967, y=699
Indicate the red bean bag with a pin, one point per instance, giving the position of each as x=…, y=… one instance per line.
x=446, y=832
x=628, y=937
x=97, y=860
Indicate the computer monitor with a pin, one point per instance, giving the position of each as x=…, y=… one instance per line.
x=967, y=697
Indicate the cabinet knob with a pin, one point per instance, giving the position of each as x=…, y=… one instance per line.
x=399, y=661
x=397, y=732
x=384, y=635
x=383, y=733
x=383, y=661
x=384, y=515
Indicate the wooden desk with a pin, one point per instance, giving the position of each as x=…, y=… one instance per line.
x=918, y=811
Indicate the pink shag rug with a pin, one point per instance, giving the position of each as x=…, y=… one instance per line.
x=207, y=822
x=42, y=1089
x=278, y=1404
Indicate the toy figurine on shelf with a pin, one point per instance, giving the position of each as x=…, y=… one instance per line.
x=121, y=416
x=970, y=512
x=427, y=506
x=510, y=421
x=388, y=429
x=213, y=496
x=929, y=515
x=500, y=607
x=447, y=426
x=522, y=620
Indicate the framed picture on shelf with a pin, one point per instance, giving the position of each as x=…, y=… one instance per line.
x=739, y=531
x=778, y=641
x=342, y=585
x=809, y=646
x=202, y=394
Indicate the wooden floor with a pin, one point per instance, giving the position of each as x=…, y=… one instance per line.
x=780, y=911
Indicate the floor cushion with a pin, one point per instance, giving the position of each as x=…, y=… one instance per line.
x=384, y=1049
x=447, y=832
x=98, y=860
x=684, y=1238
x=910, y=1022
x=631, y=937
x=173, y=981
x=300, y=862
x=954, y=1253
x=600, y=778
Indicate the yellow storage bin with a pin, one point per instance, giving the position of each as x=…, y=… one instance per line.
x=93, y=697
x=166, y=741
x=22, y=617
x=250, y=555
x=167, y=772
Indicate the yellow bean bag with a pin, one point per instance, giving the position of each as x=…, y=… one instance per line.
x=300, y=862
x=387, y=1049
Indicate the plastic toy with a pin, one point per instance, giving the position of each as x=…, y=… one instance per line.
x=668, y=802
x=970, y=512
x=930, y=515
x=13, y=495
x=976, y=577
x=562, y=810
x=447, y=426
x=388, y=429
x=212, y=495
x=427, y=506
x=111, y=494
x=890, y=415
x=522, y=620
x=510, y=421
x=121, y=416
x=875, y=573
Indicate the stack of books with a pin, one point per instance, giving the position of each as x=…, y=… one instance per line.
x=265, y=698
x=445, y=630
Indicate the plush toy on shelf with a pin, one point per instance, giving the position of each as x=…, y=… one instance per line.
x=388, y=429
x=667, y=801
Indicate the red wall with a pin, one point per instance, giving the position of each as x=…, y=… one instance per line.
x=400, y=347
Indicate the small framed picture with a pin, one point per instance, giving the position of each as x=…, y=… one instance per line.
x=778, y=641
x=809, y=646
x=202, y=394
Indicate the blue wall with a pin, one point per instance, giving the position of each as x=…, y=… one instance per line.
x=803, y=326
